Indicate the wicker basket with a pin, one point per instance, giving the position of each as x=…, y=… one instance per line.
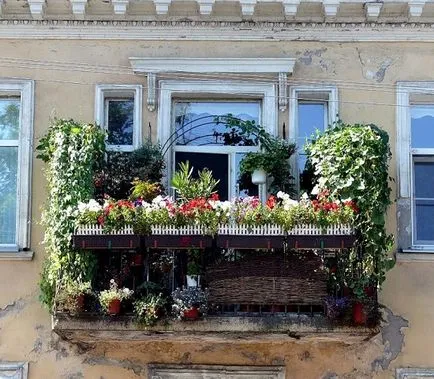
x=269, y=279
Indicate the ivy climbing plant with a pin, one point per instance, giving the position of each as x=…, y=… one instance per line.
x=71, y=151
x=351, y=161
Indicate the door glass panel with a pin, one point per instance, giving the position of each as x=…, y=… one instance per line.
x=311, y=117
x=244, y=182
x=9, y=119
x=8, y=194
x=196, y=123
x=120, y=122
x=422, y=126
x=217, y=163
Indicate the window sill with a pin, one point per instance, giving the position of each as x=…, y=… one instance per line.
x=96, y=328
x=16, y=256
x=415, y=255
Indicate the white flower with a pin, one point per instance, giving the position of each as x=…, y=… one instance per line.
x=315, y=190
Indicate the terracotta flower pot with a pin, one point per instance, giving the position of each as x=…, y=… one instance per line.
x=114, y=307
x=79, y=302
x=137, y=260
x=191, y=314
x=359, y=314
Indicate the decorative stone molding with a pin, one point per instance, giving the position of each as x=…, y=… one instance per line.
x=205, y=6
x=283, y=91
x=373, y=10
x=217, y=31
x=291, y=7
x=78, y=7
x=162, y=6
x=415, y=7
x=212, y=65
x=152, y=91
x=37, y=8
x=248, y=7
x=331, y=7
x=14, y=370
x=120, y=6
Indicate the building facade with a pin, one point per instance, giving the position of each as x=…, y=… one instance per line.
x=287, y=64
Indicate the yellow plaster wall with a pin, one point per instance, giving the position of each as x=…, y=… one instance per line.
x=365, y=74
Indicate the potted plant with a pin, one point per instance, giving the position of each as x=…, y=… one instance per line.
x=71, y=296
x=149, y=309
x=193, y=268
x=335, y=307
x=271, y=161
x=189, y=303
x=111, y=299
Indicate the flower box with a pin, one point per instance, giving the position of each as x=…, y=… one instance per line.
x=313, y=237
x=247, y=237
x=93, y=237
x=171, y=237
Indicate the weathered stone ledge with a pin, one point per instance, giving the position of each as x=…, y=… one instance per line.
x=97, y=328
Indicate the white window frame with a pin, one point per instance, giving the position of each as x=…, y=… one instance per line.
x=327, y=94
x=24, y=89
x=14, y=370
x=106, y=92
x=156, y=371
x=172, y=89
x=404, y=154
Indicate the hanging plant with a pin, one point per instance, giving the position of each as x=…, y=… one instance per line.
x=71, y=150
x=352, y=161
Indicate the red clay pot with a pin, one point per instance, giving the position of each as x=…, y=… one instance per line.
x=191, y=314
x=359, y=315
x=79, y=303
x=370, y=291
x=114, y=307
x=137, y=260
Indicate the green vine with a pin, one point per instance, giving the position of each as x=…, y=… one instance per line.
x=351, y=161
x=71, y=151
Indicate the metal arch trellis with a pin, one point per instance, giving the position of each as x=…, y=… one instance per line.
x=216, y=120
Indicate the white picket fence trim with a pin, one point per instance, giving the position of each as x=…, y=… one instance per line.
x=262, y=230
x=94, y=229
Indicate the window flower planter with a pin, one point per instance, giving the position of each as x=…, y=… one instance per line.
x=246, y=237
x=93, y=237
x=186, y=237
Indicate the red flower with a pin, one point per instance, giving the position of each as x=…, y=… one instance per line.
x=215, y=197
x=271, y=202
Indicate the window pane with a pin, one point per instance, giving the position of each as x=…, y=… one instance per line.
x=422, y=126
x=9, y=119
x=217, y=163
x=120, y=122
x=195, y=122
x=8, y=194
x=424, y=179
x=424, y=220
x=311, y=117
x=244, y=182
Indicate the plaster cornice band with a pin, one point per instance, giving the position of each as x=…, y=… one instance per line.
x=212, y=65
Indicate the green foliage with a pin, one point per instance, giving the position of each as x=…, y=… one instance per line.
x=351, y=161
x=193, y=264
x=71, y=151
x=68, y=293
x=120, y=169
x=113, y=293
x=189, y=188
x=273, y=157
x=144, y=190
x=149, y=309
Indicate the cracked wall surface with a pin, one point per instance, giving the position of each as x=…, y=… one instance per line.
x=365, y=75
